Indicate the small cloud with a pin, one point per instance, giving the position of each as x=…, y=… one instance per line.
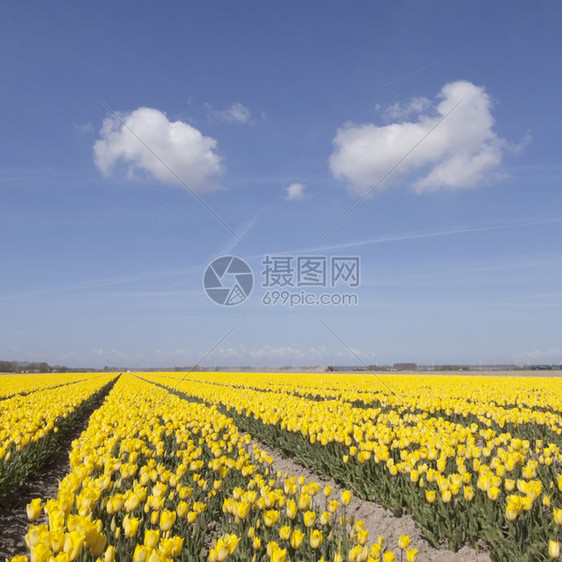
x=399, y=111
x=146, y=142
x=84, y=128
x=236, y=113
x=459, y=151
x=295, y=192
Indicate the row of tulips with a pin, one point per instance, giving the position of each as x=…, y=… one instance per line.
x=155, y=477
x=31, y=423
x=13, y=385
x=462, y=482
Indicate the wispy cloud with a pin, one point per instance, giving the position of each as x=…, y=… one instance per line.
x=430, y=234
x=227, y=249
x=236, y=113
x=84, y=128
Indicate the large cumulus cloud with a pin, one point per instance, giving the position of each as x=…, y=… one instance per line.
x=461, y=151
x=166, y=147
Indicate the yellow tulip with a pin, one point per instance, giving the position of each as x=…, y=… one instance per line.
x=34, y=509
x=167, y=519
x=554, y=549
x=346, y=496
x=297, y=537
x=403, y=542
x=74, y=541
x=316, y=538
x=109, y=555
x=131, y=503
x=130, y=526
x=151, y=537
x=270, y=517
x=309, y=518
x=291, y=508
x=412, y=555
x=285, y=532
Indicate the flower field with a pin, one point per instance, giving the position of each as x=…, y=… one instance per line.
x=170, y=467
x=34, y=410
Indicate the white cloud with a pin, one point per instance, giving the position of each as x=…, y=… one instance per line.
x=398, y=110
x=462, y=151
x=295, y=192
x=174, y=145
x=236, y=113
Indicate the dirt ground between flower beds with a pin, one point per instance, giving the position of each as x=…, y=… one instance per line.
x=377, y=519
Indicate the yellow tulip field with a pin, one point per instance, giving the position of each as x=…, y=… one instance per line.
x=172, y=466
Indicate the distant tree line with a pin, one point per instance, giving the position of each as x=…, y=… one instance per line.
x=30, y=367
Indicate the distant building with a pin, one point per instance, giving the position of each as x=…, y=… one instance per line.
x=405, y=366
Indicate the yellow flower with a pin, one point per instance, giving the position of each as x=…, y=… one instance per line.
x=151, y=538
x=34, y=509
x=403, y=542
x=468, y=493
x=513, y=507
x=270, y=517
x=231, y=542
x=346, y=496
x=276, y=554
x=256, y=543
x=446, y=496
x=412, y=555
x=141, y=553
x=325, y=518
x=167, y=519
x=40, y=553
x=558, y=516
x=96, y=542
x=316, y=538
x=181, y=509
x=554, y=549
x=493, y=493
x=327, y=490
x=109, y=555
x=292, y=509
x=74, y=541
x=285, y=532
x=333, y=506
x=362, y=536
x=297, y=537
x=130, y=526
x=304, y=502
x=430, y=496
x=389, y=556
x=309, y=518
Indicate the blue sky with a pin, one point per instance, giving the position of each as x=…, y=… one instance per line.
x=279, y=118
